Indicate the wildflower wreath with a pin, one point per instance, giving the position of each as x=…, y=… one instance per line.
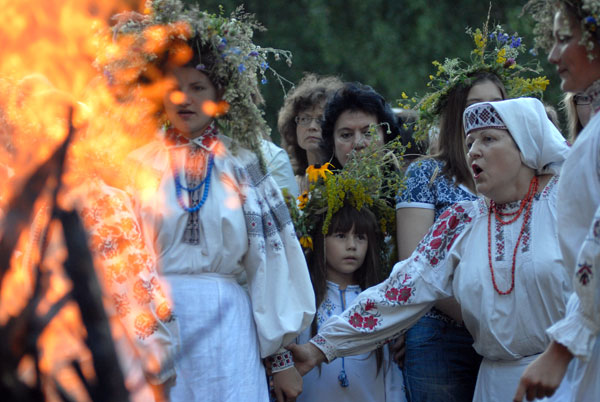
x=495, y=52
x=543, y=12
x=142, y=39
x=371, y=178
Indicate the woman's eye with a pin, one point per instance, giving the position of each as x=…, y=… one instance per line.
x=346, y=135
x=340, y=235
x=361, y=237
x=198, y=88
x=469, y=145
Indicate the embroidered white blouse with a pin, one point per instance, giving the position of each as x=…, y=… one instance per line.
x=365, y=383
x=579, y=234
x=244, y=228
x=452, y=260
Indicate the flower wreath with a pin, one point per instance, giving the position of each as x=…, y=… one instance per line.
x=370, y=178
x=495, y=52
x=588, y=11
x=238, y=63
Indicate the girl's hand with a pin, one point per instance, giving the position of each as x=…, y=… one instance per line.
x=287, y=385
x=306, y=356
x=543, y=376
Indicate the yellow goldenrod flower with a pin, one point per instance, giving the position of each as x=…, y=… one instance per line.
x=316, y=171
x=500, y=57
x=404, y=96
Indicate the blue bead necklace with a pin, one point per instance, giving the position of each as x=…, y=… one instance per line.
x=205, y=182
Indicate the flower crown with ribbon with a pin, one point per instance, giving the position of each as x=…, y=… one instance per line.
x=587, y=11
x=370, y=178
x=495, y=52
x=237, y=63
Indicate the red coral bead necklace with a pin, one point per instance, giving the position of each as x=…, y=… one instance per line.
x=525, y=205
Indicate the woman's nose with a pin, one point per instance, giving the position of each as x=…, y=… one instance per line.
x=474, y=152
x=361, y=141
x=553, y=55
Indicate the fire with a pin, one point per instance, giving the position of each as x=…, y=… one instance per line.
x=51, y=51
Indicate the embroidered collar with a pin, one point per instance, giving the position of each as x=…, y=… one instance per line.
x=207, y=140
x=593, y=91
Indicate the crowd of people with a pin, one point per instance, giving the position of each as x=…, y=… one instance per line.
x=331, y=269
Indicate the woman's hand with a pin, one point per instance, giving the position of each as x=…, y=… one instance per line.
x=287, y=385
x=306, y=356
x=543, y=376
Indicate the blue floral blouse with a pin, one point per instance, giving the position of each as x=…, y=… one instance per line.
x=423, y=192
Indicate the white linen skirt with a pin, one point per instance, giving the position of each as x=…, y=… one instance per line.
x=497, y=381
x=219, y=357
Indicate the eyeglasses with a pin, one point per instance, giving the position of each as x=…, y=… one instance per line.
x=582, y=99
x=307, y=120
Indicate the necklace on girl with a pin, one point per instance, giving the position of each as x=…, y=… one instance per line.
x=525, y=205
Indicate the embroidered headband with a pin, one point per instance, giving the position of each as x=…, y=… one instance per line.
x=480, y=116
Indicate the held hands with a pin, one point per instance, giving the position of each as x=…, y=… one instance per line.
x=287, y=385
x=306, y=356
x=543, y=376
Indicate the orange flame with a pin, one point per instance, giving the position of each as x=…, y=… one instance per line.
x=50, y=50
x=215, y=109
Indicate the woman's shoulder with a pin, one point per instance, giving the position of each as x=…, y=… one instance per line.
x=425, y=165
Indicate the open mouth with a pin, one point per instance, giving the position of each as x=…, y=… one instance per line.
x=476, y=170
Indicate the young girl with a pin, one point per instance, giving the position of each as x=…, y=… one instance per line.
x=342, y=264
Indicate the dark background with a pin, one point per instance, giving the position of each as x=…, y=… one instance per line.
x=388, y=44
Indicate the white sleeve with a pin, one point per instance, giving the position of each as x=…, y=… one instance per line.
x=279, y=284
x=579, y=329
x=382, y=312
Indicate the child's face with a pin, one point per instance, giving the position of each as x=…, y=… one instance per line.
x=345, y=253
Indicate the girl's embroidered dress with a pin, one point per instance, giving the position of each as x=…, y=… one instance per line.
x=363, y=385
x=579, y=235
x=452, y=260
x=241, y=233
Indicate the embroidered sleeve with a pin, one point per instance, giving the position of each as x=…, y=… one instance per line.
x=579, y=329
x=419, y=191
x=382, y=312
x=130, y=277
x=278, y=281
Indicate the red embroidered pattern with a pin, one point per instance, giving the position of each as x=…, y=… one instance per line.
x=442, y=235
x=584, y=273
x=127, y=266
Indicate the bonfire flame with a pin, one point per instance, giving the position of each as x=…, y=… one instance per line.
x=50, y=86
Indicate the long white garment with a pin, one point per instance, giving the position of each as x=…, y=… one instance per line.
x=244, y=228
x=363, y=383
x=452, y=260
x=579, y=233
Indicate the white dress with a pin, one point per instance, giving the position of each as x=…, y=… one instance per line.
x=363, y=383
x=579, y=232
x=243, y=229
x=452, y=260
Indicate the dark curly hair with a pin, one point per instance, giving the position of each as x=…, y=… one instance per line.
x=355, y=97
x=311, y=91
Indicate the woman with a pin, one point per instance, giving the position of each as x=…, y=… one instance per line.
x=514, y=153
x=573, y=33
x=440, y=363
x=578, y=108
x=213, y=215
x=299, y=122
x=356, y=116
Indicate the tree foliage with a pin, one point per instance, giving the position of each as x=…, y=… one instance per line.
x=383, y=43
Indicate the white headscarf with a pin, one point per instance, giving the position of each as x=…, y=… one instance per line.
x=542, y=146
